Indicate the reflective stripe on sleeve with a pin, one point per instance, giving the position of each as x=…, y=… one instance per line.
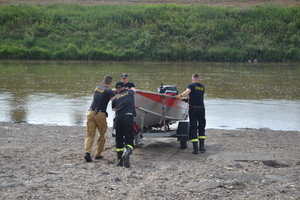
x=202, y=137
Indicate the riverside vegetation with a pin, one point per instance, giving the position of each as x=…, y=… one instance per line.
x=150, y=32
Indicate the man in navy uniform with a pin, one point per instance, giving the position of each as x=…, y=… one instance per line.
x=123, y=104
x=128, y=85
x=195, y=91
x=96, y=119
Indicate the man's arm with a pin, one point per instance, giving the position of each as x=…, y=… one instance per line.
x=185, y=93
x=133, y=88
x=113, y=105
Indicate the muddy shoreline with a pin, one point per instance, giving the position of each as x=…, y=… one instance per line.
x=46, y=162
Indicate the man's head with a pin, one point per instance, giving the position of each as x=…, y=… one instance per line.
x=195, y=78
x=107, y=80
x=120, y=86
x=124, y=77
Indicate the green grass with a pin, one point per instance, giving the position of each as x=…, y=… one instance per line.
x=150, y=32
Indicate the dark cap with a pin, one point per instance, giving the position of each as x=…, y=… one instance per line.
x=120, y=85
x=124, y=75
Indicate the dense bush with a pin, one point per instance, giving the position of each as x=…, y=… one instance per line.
x=150, y=32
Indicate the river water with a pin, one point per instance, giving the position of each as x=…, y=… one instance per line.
x=238, y=95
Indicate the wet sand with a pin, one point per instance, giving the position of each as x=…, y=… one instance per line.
x=46, y=162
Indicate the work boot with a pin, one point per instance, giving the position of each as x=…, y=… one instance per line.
x=201, y=146
x=195, y=147
x=119, y=159
x=98, y=157
x=87, y=157
x=125, y=156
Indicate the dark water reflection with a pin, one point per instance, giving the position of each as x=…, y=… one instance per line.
x=47, y=92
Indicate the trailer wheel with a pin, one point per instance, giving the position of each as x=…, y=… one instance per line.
x=183, y=144
x=138, y=140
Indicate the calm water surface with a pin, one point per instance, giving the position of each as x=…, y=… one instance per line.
x=239, y=95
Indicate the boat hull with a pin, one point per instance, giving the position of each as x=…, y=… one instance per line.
x=156, y=109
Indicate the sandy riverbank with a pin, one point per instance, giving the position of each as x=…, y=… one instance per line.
x=46, y=162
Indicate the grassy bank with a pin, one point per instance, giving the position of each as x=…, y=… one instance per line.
x=150, y=32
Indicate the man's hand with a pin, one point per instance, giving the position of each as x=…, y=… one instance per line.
x=178, y=97
x=115, y=91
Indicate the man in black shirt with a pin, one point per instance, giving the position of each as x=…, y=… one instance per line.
x=96, y=118
x=128, y=85
x=123, y=104
x=195, y=91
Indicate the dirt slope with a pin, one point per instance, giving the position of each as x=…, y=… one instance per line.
x=230, y=3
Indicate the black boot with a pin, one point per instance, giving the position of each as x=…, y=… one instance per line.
x=125, y=156
x=195, y=147
x=119, y=158
x=201, y=146
x=87, y=157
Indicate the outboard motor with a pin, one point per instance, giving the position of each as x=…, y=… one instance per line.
x=167, y=89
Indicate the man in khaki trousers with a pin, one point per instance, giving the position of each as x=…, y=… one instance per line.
x=96, y=119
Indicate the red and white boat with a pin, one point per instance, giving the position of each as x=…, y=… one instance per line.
x=158, y=109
